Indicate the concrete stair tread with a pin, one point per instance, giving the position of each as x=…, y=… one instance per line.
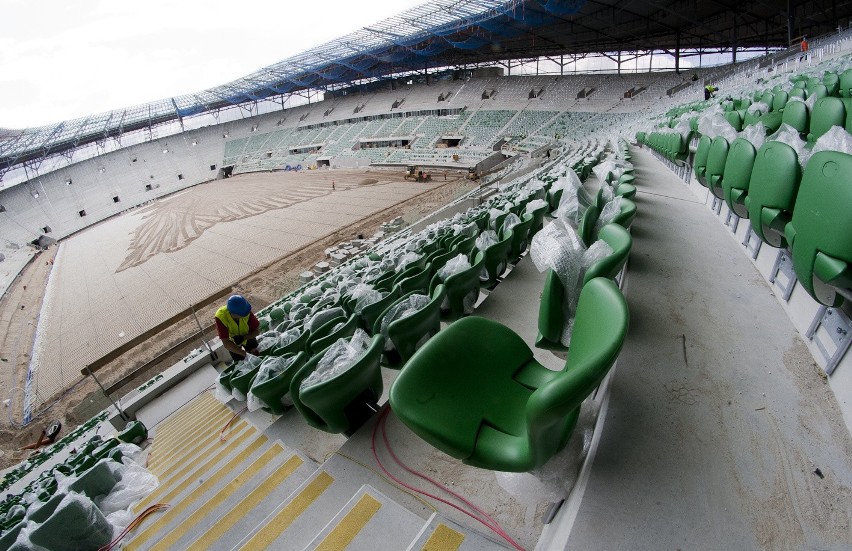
x=442, y=534
x=369, y=520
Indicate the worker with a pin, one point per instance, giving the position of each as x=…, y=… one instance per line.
x=709, y=91
x=238, y=327
x=804, y=46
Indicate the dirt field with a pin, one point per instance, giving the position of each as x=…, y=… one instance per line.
x=159, y=351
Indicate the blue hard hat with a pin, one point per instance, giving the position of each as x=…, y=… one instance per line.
x=238, y=306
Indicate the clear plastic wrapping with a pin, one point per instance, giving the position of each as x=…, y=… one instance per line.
x=715, y=124
x=836, y=139
x=322, y=317
x=534, y=205
x=757, y=106
x=493, y=214
x=754, y=133
x=341, y=356
x=790, y=136
x=402, y=309
x=267, y=341
x=511, y=221
x=486, y=239
x=134, y=484
x=366, y=296
x=288, y=336
x=598, y=251
x=608, y=213
x=406, y=259
x=244, y=366
x=455, y=265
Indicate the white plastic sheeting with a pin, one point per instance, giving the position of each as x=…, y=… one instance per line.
x=340, y=357
x=402, y=309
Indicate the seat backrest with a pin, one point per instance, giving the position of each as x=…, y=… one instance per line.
x=369, y=312
x=593, y=352
x=626, y=213
x=774, y=183
x=845, y=86
x=767, y=98
x=797, y=93
x=586, y=230
x=796, y=115
x=822, y=224
x=818, y=91
x=734, y=119
x=620, y=242
x=827, y=112
x=716, y=165
x=551, y=313
x=407, y=333
x=738, y=167
x=831, y=82
x=699, y=164
x=327, y=334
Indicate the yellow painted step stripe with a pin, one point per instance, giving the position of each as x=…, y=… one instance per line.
x=207, y=445
x=166, y=453
x=285, y=517
x=217, y=456
x=243, y=478
x=197, y=447
x=178, y=425
x=443, y=538
x=210, y=482
x=191, y=426
x=241, y=509
x=163, y=447
x=350, y=525
x=206, y=401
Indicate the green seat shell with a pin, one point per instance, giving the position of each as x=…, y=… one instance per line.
x=335, y=405
x=832, y=83
x=329, y=332
x=551, y=315
x=738, y=167
x=772, y=191
x=520, y=238
x=496, y=259
x=275, y=388
x=699, y=164
x=716, y=166
x=409, y=332
x=476, y=393
x=458, y=286
x=413, y=278
x=734, y=119
x=626, y=214
x=779, y=100
x=298, y=345
x=553, y=198
x=370, y=312
x=845, y=85
x=820, y=232
x=628, y=191
x=538, y=220
x=827, y=112
x=796, y=114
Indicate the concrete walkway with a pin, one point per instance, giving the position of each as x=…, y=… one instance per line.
x=720, y=432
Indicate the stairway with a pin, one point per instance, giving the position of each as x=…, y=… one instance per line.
x=251, y=492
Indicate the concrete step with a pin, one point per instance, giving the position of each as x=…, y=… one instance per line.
x=442, y=534
x=225, y=500
x=370, y=520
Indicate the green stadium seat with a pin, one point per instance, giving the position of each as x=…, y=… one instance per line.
x=699, y=163
x=520, y=238
x=507, y=411
x=715, y=171
x=827, y=112
x=459, y=288
x=342, y=403
x=551, y=315
x=820, y=233
x=735, y=119
x=413, y=278
x=325, y=335
x=275, y=388
x=496, y=260
x=409, y=332
x=738, y=168
x=845, y=84
x=772, y=191
x=626, y=214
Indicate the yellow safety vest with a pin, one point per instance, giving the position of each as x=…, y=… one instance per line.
x=235, y=329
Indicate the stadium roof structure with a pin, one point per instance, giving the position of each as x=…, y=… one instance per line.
x=456, y=33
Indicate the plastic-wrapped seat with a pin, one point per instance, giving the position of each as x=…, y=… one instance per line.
x=538, y=219
x=820, y=233
x=275, y=388
x=772, y=191
x=340, y=404
x=413, y=278
x=461, y=288
x=738, y=167
x=827, y=112
x=699, y=163
x=626, y=214
x=407, y=333
x=845, y=85
x=831, y=82
x=735, y=119
x=716, y=166
x=332, y=330
x=520, y=238
x=507, y=411
x=496, y=259
x=551, y=314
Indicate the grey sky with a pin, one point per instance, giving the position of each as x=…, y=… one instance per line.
x=62, y=60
